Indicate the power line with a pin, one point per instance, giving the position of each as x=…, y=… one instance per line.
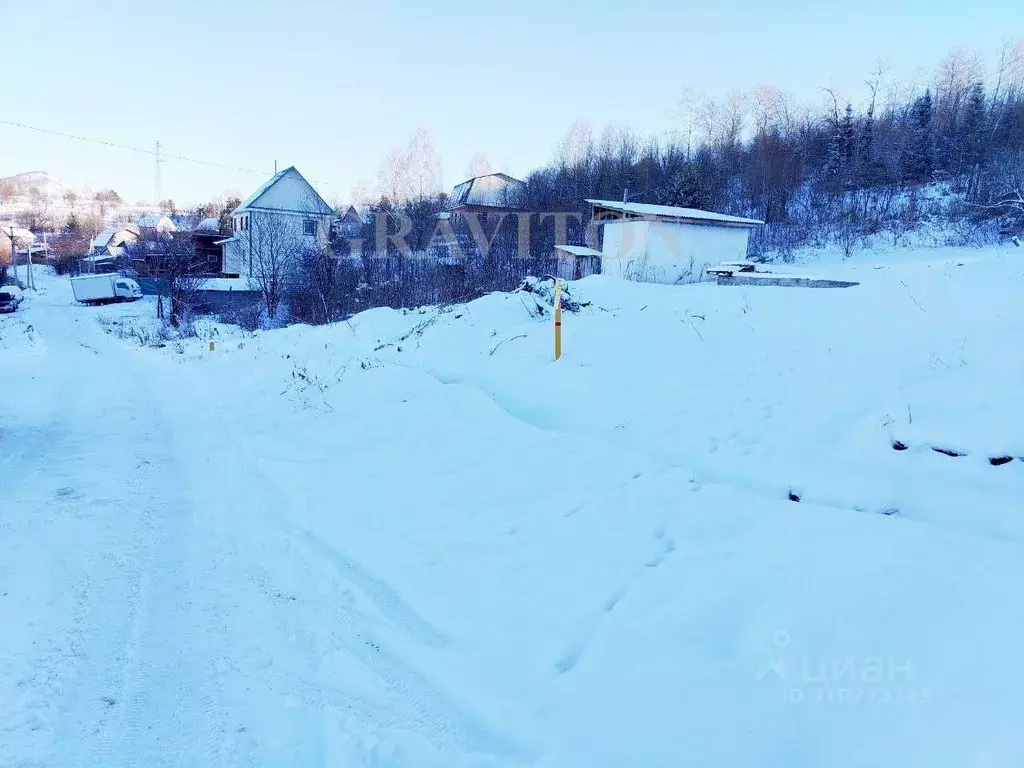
x=161, y=155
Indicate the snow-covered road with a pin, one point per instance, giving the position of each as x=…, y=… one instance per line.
x=150, y=580
x=111, y=556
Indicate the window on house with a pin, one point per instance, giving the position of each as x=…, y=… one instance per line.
x=309, y=228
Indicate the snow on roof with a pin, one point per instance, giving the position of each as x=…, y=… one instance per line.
x=36, y=248
x=298, y=195
x=578, y=250
x=153, y=220
x=20, y=233
x=495, y=190
x=103, y=238
x=263, y=188
x=208, y=225
x=673, y=212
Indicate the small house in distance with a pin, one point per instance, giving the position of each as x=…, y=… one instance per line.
x=207, y=237
x=156, y=224
x=664, y=244
x=349, y=224
x=577, y=261
x=113, y=241
x=493, y=193
x=490, y=199
x=13, y=238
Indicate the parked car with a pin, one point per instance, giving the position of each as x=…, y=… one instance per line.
x=103, y=289
x=10, y=298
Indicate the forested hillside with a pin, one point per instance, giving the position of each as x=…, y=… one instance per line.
x=942, y=157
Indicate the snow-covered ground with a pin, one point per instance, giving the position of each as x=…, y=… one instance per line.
x=412, y=539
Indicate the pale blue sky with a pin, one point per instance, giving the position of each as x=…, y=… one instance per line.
x=332, y=87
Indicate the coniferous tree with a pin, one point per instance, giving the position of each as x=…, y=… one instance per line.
x=869, y=170
x=832, y=170
x=919, y=154
x=971, y=140
x=972, y=129
x=847, y=146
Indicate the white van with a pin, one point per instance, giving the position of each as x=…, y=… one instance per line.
x=102, y=289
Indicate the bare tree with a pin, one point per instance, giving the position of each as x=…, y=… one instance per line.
x=687, y=117
x=40, y=211
x=735, y=116
x=424, y=165
x=479, y=165
x=708, y=114
x=767, y=106
x=181, y=273
x=394, y=177
x=577, y=148
x=323, y=283
x=274, y=244
x=958, y=71
x=413, y=172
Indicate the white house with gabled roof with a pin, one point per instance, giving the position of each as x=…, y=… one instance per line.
x=664, y=243
x=284, y=215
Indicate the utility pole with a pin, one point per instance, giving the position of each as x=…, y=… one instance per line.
x=29, y=282
x=14, y=252
x=156, y=183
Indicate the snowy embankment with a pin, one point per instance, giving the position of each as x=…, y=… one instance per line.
x=422, y=542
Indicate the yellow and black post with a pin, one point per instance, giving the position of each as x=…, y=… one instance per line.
x=558, y=319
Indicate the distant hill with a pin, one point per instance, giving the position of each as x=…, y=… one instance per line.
x=22, y=184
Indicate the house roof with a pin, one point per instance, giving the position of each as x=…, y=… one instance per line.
x=152, y=220
x=694, y=215
x=20, y=233
x=353, y=213
x=252, y=202
x=35, y=248
x=578, y=250
x=494, y=190
x=103, y=238
x=208, y=225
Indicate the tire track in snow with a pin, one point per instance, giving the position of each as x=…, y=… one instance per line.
x=74, y=530
x=121, y=688
x=309, y=608
x=387, y=602
x=414, y=703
